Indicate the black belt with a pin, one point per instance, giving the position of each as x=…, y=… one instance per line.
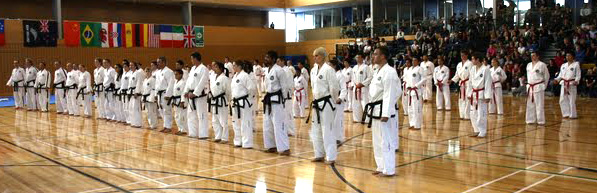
x=74, y=86
x=15, y=85
x=160, y=93
x=98, y=88
x=117, y=94
x=192, y=100
x=145, y=96
x=81, y=92
x=267, y=101
x=110, y=88
x=38, y=89
x=131, y=92
x=318, y=109
x=369, y=112
x=27, y=84
x=218, y=101
x=177, y=104
x=236, y=103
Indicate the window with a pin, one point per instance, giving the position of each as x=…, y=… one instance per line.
x=277, y=18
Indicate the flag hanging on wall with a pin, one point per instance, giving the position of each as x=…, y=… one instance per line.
x=171, y=36
x=189, y=36
x=90, y=34
x=199, y=36
x=114, y=35
x=129, y=36
x=40, y=33
x=2, y=41
x=153, y=35
x=72, y=33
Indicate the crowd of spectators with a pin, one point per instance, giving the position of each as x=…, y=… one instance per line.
x=511, y=45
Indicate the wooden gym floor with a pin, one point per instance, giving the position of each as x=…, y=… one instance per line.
x=46, y=152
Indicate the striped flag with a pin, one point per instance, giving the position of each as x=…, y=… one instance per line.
x=153, y=36
x=129, y=35
x=104, y=35
x=114, y=33
x=144, y=35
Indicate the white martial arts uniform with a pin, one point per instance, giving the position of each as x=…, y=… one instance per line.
x=116, y=104
x=497, y=76
x=16, y=81
x=441, y=76
x=242, y=87
x=289, y=120
x=384, y=96
x=274, y=133
x=258, y=72
x=164, y=84
x=109, y=91
x=98, y=88
x=42, y=86
x=71, y=95
x=461, y=76
x=198, y=84
x=300, y=96
x=362, y=74
x=185, y=74
x=326, y=88
x=479, y=89
x=348, y=84
x=149, y=101
x=179, y=103
x=136, y=89
x=264, y=71
x=220, y=93
x=414, y=81
x=394, y=121
x=569, y=78
x=60, y=90
x=405, y=98
x=124, y=90
x=84, y=92
x=30, y=76
x=428, y=68
x=339, y=113
x=254, y=98
x=538, y=77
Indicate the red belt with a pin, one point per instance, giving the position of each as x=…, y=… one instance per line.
x=476, y=92
x=493, y=87
x=440, y=86
x=410, y=89
x=300, y=98
x=357, y=93
x=531, y=89
x=463, y=89
x=567, y=86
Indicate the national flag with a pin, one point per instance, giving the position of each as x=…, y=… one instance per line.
x=40, y=33
x=90, y=32
x=2, y=41
x=129, y=36
x=104, y=35
x=171, y=36
x=72, y=33
x=154, y=35
x=137, y=35
x=189, y=36
x=144, y=35
x=114, y=33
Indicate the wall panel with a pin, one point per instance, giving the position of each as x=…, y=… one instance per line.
x=236, y=42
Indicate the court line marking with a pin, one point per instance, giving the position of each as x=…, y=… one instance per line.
x=103, y=163
x=249, y=170
x=541, y=181
x=204, y=170
x=70, y=168
x=501, y=178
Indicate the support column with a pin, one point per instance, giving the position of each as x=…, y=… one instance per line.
x=57, y=13
x=187, y=13
x=332, y=23
x=372, y=17
x=495, y=5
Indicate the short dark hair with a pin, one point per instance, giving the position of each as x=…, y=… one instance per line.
x=384, y=51
x=179, y=71
x=180, y=62
x=196, y=56
x=360, y=54
x=125, y=61
x=273, y=55
x=98, y=59
x=163, y=59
